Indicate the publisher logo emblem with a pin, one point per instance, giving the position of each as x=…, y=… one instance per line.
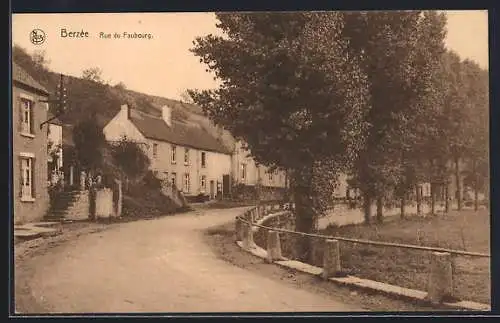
x=37, y=36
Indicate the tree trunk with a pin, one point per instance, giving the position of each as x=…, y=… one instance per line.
x=433, y=199
x=380, y=209
x=402, y=206
x=458, y=184
x=305, y=216
x=419, y=200
x=476, y=194
x=446, y=198
x=367, y=206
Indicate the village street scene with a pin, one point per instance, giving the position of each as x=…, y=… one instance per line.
x=250, y=162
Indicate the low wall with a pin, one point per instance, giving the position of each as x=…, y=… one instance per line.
x=439, y=289
x=263, y=193
x=104, y=203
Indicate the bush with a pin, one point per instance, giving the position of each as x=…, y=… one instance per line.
x=130, y=158
x=143, y=202
x=151, y=181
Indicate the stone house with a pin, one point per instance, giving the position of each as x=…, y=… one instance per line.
x=182, y=153
x=30, y=158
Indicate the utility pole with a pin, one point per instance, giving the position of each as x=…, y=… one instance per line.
x=60, y=101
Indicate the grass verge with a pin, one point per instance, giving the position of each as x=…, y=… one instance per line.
x=466, y=230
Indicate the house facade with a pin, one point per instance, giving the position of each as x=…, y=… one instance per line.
x=246, y=171
x=30, y=158
x=184, y=154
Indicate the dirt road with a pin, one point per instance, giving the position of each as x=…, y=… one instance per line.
x=161, y=265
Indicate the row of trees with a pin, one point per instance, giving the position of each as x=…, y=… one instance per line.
x=375, y=95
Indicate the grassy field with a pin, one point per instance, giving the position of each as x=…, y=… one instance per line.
x=465, y=230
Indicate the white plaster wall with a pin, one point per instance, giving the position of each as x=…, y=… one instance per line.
x=121, y=126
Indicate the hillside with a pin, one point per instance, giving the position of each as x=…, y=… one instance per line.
x=85, y=98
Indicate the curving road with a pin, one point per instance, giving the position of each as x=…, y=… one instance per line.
x=161, y=265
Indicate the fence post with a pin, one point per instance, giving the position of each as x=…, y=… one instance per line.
x=440, y=282
x=248, y=242
x=331, y=259
x=119, y=202
x=273, y=246
x=250, y=216
x=238, y=228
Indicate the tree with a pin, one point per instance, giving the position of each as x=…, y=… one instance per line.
x=130, y=158
x=40, y=59
x=400, y=51
x=292, y=91
x=120, y=86
x=476, y=125
x=93, y=74
x=89, y=144
x=185, y=97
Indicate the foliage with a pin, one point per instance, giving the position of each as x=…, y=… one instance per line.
x=120, y=85
x=93, y=74
x=130, y=158
x=89, y=144
x=151, y=181
x=185, y=97
x=291, y=90
x=400, y=53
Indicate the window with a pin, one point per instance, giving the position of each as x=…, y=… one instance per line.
x=186, y=183
x=174, y=179
x=203, y=182
x=174, y=151
x=186, y=156
x=26, y=116
x=243, y=171
x=203, y=159
x=27, y=178
x=155, y=150
x=270, y=176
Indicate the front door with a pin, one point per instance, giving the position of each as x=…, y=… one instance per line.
x=212, y=189
x=226, y=186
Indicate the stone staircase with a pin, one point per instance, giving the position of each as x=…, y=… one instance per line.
x=69, y=206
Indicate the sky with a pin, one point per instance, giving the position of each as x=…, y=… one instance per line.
x=163, y=65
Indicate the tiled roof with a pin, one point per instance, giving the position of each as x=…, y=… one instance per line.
x=21, y=76
x=179, y=133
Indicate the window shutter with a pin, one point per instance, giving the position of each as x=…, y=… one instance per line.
x=32, y=117
x=33, y=181
x=20, y=177
x=21, y=113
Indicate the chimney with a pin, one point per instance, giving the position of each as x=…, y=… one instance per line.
x=126, y=111
x=166, y=114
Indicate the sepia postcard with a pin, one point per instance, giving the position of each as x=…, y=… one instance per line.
x=250, y=162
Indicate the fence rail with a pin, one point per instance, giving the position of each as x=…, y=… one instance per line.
x=441, y=267
x=370, y=242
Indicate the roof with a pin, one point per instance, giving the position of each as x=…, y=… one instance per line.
x=180, y=133
x=53, y=119
x=21, y=76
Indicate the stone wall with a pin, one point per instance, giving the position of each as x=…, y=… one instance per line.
x=249, y=193
x=80, y=209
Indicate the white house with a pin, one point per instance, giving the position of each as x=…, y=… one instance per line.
x=246, y=171
x=181, y=152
